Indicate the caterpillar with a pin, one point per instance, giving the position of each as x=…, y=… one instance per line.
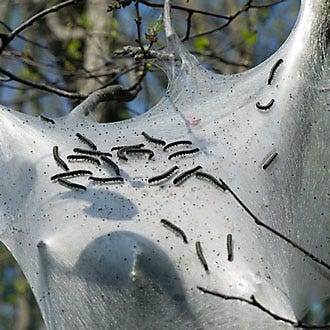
x=86, y=158
x=136, y=151
x=201, y=256
x=44, y=118
x=176, y=143
x=71, y=185
x=266, y=106
x=83, y=139
x=230, y=247
x=153, y=140
x=185, y=175
x=59, y=161
x=112, y=164
x=183, y=153
x=91, y=152
x=165, y=175
x=209, y=177
x=272, y=71
x=175, y=229
x=269, y=158
x=115, y=179
x=70, y=174
x=141, y=145
x=121, y=151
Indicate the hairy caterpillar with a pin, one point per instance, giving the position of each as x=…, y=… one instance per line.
x=266, y=106
x=91, y=152
x=83, y=139
x=209, y=177
x=272, y=71
x=122, y=150
x=201, y=256
x=70, y=174
x=183, y=153
x=115, y=179
x=59, y=161
x=165, y=175
x=86, y=158
x=269, y=158
x=153, y=140
x=112, y=164
x=141, y=145
x=185, y=175
x=175, y=229
x=230, y=247
x=176, y=143
x=71, y=185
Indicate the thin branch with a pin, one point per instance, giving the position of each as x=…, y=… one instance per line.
x=187, y=9
x=274, y=231
x=186, y=37
x=43, y=86
x=231, y=18
x=7, y=38
x=253, y=302
x=138, y=21
x=24, y=38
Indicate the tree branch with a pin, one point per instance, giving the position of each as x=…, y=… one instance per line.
x=7, y=38
x=274, y=231
x=253, y=302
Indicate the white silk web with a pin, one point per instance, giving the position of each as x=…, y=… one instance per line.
x=102, y=258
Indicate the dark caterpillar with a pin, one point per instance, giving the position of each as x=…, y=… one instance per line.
x=268, y=160
x=209, y=177
x=185, y=175
x=175, y=229
x=272, y=71
x=266, y=106
x=71, y=185
x=85, y=158
x=122, y=150
x=183, y=153
x=115, y=179
x=83, y=139
x=48, y=120
x=141, y=145
x=70, y=174
x=230, y=247
x=153, y=140
x=91, y=152
x=201, y=256
x=112, y=164
x=140, y=151
x=176, y=143
x=59, y=161
x=163, y=176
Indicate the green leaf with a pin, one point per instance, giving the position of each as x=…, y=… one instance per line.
x=201, y=43
x=74, y=49
x=249, y=36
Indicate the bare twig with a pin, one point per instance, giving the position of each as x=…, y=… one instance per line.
x=187, y=9
x=253, y=302
x=186, y=37
x=7, y=38
x=231, y=18
x=138, y=21
x=274, y=231
x=43, y=86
